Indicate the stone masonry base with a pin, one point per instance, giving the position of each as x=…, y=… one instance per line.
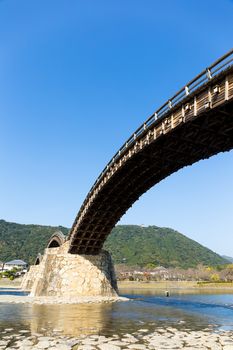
x=69, y=275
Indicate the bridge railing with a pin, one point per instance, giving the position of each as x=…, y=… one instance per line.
x=200, y=80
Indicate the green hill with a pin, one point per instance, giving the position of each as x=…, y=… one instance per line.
x=131, y=244
x=24, y=241
x=228, y=258
x=138, y=245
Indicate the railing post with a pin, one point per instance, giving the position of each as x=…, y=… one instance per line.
x=208, y=73
x=195, y=106
x=226, y=88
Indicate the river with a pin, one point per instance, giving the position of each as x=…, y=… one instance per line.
x=192, y=309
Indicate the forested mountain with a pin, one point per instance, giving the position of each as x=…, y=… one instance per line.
x=141, y=246
x=129, y=244
x=228, y=258
x=24, y=241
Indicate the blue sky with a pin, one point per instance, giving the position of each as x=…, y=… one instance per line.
x=76, y=78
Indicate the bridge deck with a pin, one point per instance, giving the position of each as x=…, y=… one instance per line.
x=195, y=124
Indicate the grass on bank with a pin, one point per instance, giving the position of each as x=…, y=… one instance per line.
x=172, y=284
x=7, y=283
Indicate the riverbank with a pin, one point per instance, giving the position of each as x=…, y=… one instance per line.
x=6, y=283
x=166, y=285
x=142, y=339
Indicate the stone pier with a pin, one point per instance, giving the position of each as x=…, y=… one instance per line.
x=29, y=278
x=62, y=274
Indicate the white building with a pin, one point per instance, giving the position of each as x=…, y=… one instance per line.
x=15, y=264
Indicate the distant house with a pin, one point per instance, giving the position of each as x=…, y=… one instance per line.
x=15, y=264
x=161, y=272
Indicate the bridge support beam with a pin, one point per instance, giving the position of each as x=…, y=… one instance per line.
x=67, y=275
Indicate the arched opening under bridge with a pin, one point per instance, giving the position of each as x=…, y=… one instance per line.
x=38, y=259
x=56, y=240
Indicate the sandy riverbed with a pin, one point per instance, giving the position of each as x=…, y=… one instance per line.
x=16, y=299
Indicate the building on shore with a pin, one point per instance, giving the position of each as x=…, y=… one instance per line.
x=15, y=264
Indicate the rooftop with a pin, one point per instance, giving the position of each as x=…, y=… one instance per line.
x=16, y=262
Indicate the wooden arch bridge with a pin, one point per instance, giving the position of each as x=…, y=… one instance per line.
x=196, y=123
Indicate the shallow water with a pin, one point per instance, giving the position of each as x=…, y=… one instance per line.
x=194, y=310
x=12, y=291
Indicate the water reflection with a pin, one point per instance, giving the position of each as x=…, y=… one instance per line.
x=15, y=316
x=71, y=319
x=109, y=318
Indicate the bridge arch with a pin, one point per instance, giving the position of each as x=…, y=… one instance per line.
x=56, y=240
x=38, y=259
x=196, y=123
